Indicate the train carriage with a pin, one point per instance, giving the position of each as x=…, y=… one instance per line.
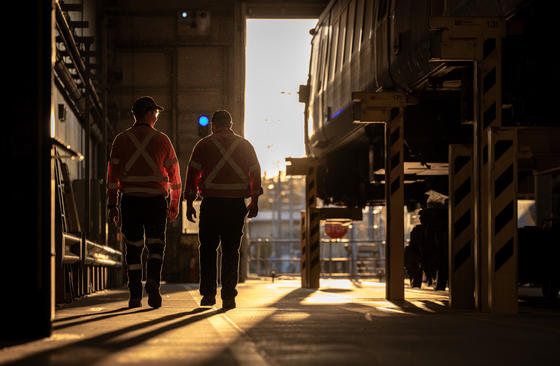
x=387, y=45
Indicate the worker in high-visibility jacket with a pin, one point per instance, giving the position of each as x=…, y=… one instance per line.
x=224, y=170
x=144, y=169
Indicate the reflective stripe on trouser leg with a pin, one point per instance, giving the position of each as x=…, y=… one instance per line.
x=134, y=266
x=394, y=197
x=503, y=220
x=461, y=239
x=156, y=249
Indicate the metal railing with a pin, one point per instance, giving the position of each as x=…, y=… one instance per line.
x=102, y=255
x=71, y=248
x=78, y=249
x=82, y=265
x=339, y=258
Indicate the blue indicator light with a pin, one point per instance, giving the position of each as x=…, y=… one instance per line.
x=337, y=113
x=203, y=121
x=184, y=14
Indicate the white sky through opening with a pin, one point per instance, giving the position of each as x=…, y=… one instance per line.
x=277, y=62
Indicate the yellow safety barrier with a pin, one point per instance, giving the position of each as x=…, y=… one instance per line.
x=502, y=162
x=461, y=233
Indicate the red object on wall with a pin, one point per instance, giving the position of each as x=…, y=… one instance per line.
x=336, y=230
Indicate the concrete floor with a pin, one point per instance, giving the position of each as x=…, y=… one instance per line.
x=342, y=323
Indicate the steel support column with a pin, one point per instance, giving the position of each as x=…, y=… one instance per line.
x=388, y=108
x=478, y=40
x=394, y=203
x=313, y=225
x=461, y=234
x=304, y=263
x=310, y=221
x=502, y=171
x=488, y=102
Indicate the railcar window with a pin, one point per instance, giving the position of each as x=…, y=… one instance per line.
x=333, y=48
x=358, y=25
x=325, y=51
x=318, y=48
x=315, y=64
x=349, y=31
x=315, y=86
x=341, y=39
x=368, y=20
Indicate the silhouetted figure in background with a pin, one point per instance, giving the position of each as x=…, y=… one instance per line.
x=224, y=169
x=412, y=256
x=427, y=253
x=433, y=251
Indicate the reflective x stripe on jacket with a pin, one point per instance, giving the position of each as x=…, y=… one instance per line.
x=226, y=159
x=143, y=163
x=223, y=165
x=141, y=151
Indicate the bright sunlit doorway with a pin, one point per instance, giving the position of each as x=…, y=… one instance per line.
x=277, y=62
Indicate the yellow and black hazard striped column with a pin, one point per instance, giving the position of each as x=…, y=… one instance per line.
x=489, y=95
x=394, y=200
x=502, y=162
x=490, y=72
x=481, y=230
x=313, y=233
x=461, y=234
x=304, y=264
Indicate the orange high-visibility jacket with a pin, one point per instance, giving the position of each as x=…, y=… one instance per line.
x=223, y=164
x=143, y=163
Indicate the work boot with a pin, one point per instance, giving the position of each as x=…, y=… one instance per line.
x=228, y=304
x=154, y=297
x=134, y=303
x=208, y=300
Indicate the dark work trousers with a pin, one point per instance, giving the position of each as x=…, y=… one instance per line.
x=143, y=217
x=221, y=220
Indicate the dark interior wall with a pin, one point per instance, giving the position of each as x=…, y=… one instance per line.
x=26, y=271
x=186, y=67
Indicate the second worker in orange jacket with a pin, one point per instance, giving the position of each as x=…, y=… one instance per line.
x=224, y=170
